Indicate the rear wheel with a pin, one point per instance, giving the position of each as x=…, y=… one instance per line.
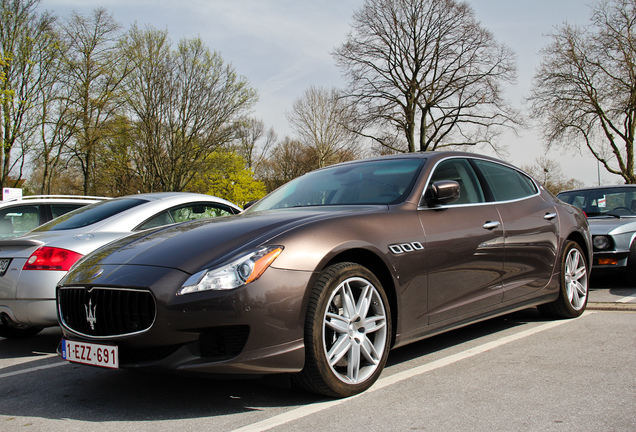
x=347, y=332
x=573, y=291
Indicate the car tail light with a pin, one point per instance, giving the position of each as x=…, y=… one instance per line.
x=51, y=258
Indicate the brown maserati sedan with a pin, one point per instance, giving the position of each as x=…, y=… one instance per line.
x=322, y=277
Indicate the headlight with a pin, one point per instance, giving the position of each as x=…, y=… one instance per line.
x=241, y=271
x=601, y=242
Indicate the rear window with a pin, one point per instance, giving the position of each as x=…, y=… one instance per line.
x=91, y=214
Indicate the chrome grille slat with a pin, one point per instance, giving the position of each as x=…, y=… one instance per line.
x=117, y=311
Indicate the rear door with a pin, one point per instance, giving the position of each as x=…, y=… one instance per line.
x=465, y=247
x=531, y=229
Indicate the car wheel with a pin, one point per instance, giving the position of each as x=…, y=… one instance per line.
x=629, y=277
x=347, y=332
x=18, y=332
x=573, y=291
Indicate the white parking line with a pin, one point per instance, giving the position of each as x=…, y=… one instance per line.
x=33, y=369
x=626, y=299
x=401, y=376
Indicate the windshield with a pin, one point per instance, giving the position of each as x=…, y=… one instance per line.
x=387, y=181
x=90, y=214
x=611, y=201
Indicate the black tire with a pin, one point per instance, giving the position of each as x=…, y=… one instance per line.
x=359, y=332
x=628, y=278
x=18, y=332
x=574, y=285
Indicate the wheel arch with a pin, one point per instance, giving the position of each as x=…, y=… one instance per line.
x=577, y=237
x=379, y=268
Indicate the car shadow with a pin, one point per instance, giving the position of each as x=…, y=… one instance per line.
x=85, y=393
x=464, y=334
x=43, y=343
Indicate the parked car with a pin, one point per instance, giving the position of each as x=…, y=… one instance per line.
x=611, y=212
x=321, y=278
x=21, y=215
x=31, y=265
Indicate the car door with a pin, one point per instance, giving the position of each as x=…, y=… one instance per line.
x=531, y=229
x=465, y=247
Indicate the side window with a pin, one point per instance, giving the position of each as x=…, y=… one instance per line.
x=506, y=183
x=459, y=170
x=186, y=213
x=60, y=209
x=199, y=211
x=18, y=220
x=161, y=219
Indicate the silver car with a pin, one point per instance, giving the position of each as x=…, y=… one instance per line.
x=611, y=213
x=31, y=265
x=20, y=215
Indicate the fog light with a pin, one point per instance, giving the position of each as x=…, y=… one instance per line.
x=607, y=261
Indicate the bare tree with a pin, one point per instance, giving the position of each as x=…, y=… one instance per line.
x=289, y=159
x=548, y=172
x=254, y=142
x=94, y=71
x=324, y=123
x=585, y=90
x=27, y=46
x=428, y=72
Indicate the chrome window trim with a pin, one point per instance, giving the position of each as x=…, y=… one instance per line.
x=426, y=186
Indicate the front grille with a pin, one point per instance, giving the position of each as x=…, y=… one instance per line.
x=106, y=311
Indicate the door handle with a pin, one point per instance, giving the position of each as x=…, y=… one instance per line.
x=491, y=225
x=549, y=216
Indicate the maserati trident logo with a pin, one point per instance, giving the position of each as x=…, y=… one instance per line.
x=90, y=313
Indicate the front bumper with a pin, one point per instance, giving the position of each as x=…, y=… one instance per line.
x=254, y=329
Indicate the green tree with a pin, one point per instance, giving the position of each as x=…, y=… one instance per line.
x=226, y=176
x=185, y=104
x=585, y=89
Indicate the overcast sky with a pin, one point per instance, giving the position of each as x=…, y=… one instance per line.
x=284, y=46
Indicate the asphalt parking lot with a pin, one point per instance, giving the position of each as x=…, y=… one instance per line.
x=514, y=373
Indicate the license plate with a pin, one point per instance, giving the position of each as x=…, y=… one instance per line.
x=91, y=354
x=4, y=265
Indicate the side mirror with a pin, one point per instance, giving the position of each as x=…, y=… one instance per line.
x=249, y=204
x=442, y=192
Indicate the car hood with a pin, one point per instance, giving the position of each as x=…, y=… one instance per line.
x=192, y=246
x=610, y=225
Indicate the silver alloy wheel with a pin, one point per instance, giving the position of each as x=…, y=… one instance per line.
x=576, y=279
x=354, y=330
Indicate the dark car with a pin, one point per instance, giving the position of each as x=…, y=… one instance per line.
x=611, y=212
x=321, y=278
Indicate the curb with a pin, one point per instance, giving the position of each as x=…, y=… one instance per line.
x=631, y=307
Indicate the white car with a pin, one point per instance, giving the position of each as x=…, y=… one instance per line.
x=31, y=265
x=20, y=215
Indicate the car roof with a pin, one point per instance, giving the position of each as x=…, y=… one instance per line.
x=592, y=188
x=52, y=199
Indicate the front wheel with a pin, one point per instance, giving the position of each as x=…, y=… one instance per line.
x=347, y=332
x=573, y=290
